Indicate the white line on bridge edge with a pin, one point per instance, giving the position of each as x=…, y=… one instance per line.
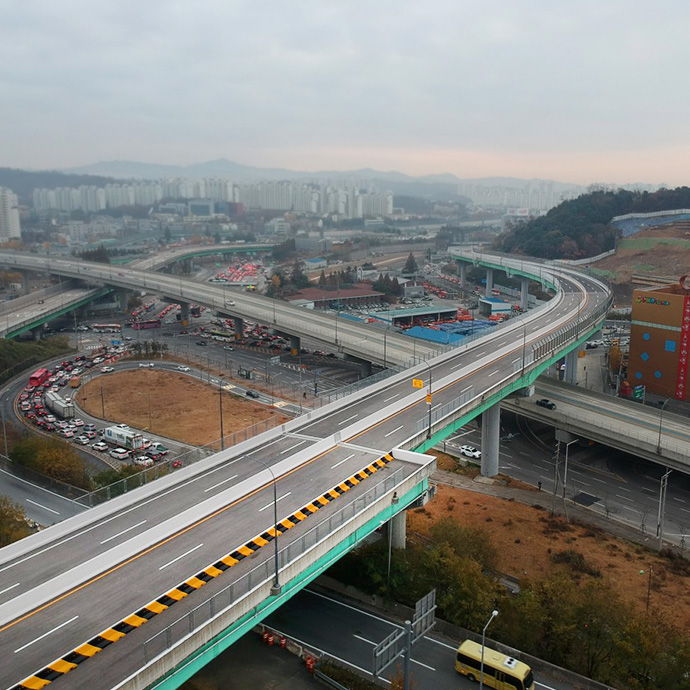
x=390, y=433
x=354, y=416
x=342, y=461
x=186, y=553
x=28, y=500
x=50, y=632
x=280, y=498
x=124, y=531
x=210, y=488
x=7, y=589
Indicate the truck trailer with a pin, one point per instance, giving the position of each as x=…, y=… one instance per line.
x=60, y=406
x=123, y=437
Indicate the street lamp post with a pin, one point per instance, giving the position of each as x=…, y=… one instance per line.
x=494, y=613
x=565, y=471
x=661, y=419
x=428, y=400
x=663, y=484
x=276, y=587
x=649, y=586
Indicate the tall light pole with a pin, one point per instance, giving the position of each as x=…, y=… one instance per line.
x=661, y=419
x=565, y=472
x=4, y=427
x=663, y=484
x=428, y=400
x=220, y=410
x=494, y=613
x=275, y=588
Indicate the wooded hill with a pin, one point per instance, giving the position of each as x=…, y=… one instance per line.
x=580, y=227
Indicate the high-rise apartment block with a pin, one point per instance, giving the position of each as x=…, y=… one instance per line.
x=9, y=216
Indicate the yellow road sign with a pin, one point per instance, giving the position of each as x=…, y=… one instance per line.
x=428, y=398
x=417, y=383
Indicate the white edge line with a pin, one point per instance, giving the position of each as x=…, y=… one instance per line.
x=28, y=500
x=7, y=589
x=174, y=560
x=50, y=632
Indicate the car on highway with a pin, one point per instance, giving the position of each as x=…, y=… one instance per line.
x=203, y=343
x=470, y=452
x=228, y=347
x=89, y=427
x=107, y=370
x=545, y=402
x=119, y=453
x=78, y=422
x=146, y=365
x=100, y=446
x=229, y=303
x=251, y=394
x=183, y=368
x=67, y=433
x=82, y=440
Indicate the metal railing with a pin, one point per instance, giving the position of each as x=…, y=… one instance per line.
x=263, y=573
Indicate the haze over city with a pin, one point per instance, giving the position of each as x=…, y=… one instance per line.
x=579, y=93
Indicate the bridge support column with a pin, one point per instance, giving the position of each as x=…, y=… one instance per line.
x=295, y=345
x=186, y=267
x=238, y=326
x=491, y=439
x=571, y=367
x=462, y=270
x=123, y=299
x=184, y=313
x=489, y=282
x=397, y=530
x=524, y=293
x=25, y=281
x=37, y=332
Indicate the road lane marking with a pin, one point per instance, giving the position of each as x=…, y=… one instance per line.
x=466, y=389
x=280, y=498
x=174, y=560
x=393, y=397
x=50, y=632
x=456, y=366
x=414, y=661
x=354, y=416
x=7, y=589
x=287, y=450
x=494, y=372
x=28, y=500
x=443, y=644
x=390, y=433
x=124, y=531
x=215, y=486
x=342, y=461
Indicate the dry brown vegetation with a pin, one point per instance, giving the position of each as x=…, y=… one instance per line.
x=181, y=407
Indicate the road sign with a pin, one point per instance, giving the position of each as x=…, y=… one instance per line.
x=417, y=383
x=428, y=398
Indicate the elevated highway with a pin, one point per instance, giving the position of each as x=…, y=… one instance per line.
x=648, y=433
x=345, y=336
x=125, y=577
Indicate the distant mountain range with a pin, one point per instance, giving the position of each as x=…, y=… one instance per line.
x=238, y=172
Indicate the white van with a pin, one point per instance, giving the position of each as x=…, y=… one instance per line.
x=119, y=453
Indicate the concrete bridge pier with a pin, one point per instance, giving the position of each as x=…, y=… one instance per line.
x=238, y=326
x=184, y=313
x=25, y=280
x=571, y=367
x=295, y=345
x=462, y=270
x=186, y=267
x=491, y=440
x=122, y=296
x=37, y=332
x=524, y=293
x=489, y=282
x=397, y=530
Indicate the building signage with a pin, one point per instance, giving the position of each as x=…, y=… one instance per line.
x=684, y=351
x=652, y=300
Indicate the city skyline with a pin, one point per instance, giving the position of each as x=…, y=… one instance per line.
x=579, y=94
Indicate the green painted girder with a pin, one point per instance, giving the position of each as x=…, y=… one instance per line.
x=56, y=314
x=195, y=662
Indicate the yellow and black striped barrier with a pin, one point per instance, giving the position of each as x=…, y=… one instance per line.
x=116, y=632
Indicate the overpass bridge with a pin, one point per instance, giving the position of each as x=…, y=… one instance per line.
x=347, y=337
x=652, y=434
x=125, y=577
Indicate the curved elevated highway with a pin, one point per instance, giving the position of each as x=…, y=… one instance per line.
x=123, y=577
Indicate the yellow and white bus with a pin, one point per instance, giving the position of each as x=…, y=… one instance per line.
x=500, y=671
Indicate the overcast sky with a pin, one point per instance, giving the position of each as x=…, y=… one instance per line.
x=574, y=91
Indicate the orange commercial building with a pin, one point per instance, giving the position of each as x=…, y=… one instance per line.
x=660, y=340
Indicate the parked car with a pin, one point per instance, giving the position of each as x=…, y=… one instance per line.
x=470, y=452
x=545, y=402
x=203, y=343
x=143, y=461
x=228, y=347
x=119, y=453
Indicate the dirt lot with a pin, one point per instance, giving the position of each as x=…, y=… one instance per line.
x=180, y=407
x=525, y=535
